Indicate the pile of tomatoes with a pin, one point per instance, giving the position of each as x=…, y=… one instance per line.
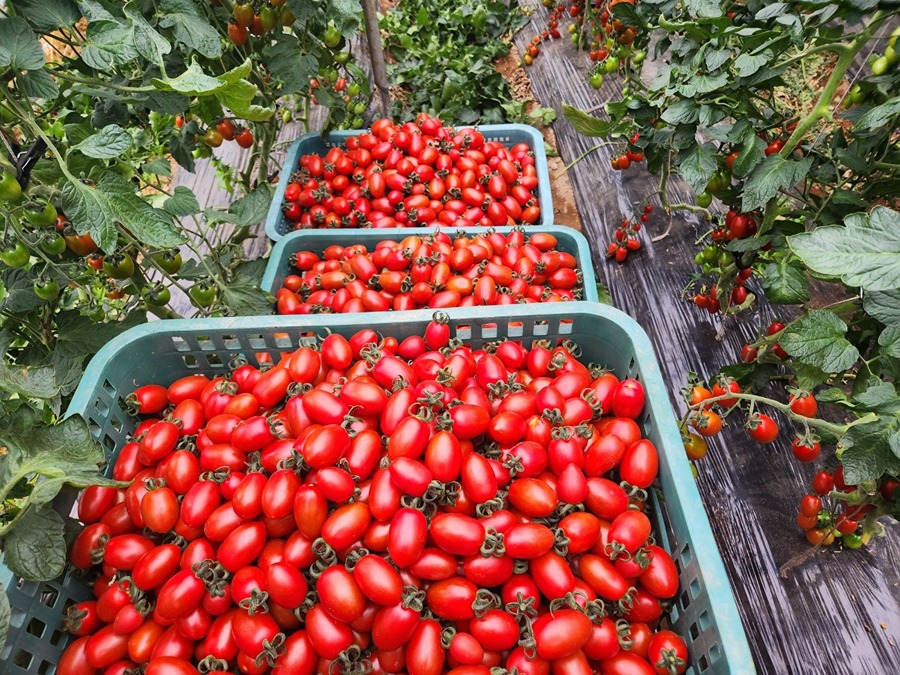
x=419, y=173
x=378, y=506
x=431, y=271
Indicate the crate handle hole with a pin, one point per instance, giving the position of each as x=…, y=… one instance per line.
x=44, y=668
x=685, y=600
x=703, y=620
x=515, y=329
x=56, y=637
x=181, y=344
x=489, y=331
x=36, y=627
x=190, y=361
x=694, y=631
x=702, y=663
x=23, y=659
x=565, y=326
x=214, y=361
x=205, y=344
x=49, y=596
x=715, y=653
x=283, y=340
x=695, y=588
x=686, y=555
x=464, y=332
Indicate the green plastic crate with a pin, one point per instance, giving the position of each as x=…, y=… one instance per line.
x=314, y=143
x=317, y=241
x=704, y=611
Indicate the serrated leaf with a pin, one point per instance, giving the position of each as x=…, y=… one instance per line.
x=889, y=341
x=746, y=65
x=819, y=339
x=79, y=337
x=157, y=167
x=38, y=84
x=34, y=382
x=244, y=297
x=775, y=173
x=47, y=15
x=246, y=211
x=873, y=449
x=684, y=111
x=879, y=115
x=183, y=202
x=238, y=97
x=809, y=377
x=771, y=10
x=864, y=254
x=113, y=200
x=111, y=141
x=147, y=41
x=19, y=46
x=35, y=549
x=19, y=285
x=190, y=27
x=5, y=616
x=584, y=124
x=884, y=306
x=698, y=166
x=750, y=244
x=751, y=154
x=716, y=58
x=192, y=82
x=108, y=43
x=603, y=294
x=703, y=8
x=785, y=282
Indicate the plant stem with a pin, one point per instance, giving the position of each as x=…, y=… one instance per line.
x=822, y=109
x=101, y=83
x=835, y=429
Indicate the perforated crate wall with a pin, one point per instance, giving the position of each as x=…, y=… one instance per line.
x=313, y=143
x=704, y=612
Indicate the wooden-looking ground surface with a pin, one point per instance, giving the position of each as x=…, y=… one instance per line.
x=804, y=611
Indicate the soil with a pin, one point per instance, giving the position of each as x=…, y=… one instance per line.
x=564, y=207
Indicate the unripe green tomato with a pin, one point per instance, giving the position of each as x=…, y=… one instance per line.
x=597, y=80
x=576, y=38
x=707, y=268
x=342, y=57
x=201, y=152
x=704, y=199
x=359, y=108
x=46, y=289
x=10, y=190
x=612, y=64
x=891, y=54
x=710, y=254
x=286, y=116
x=726, y=258
x=852, y=540
x=639, y=57
x=698, y=259
x=15, y=255
x=156, y=295
x=53, y=243
x=894, y=35
x=353, y=89
x=42, y=216
x=881, y=65
x=330, y=75
x=626, y=92
x=332, y=36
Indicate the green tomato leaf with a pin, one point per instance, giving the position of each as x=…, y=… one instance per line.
x=237, y=97
x=775, y=173
x=183, y=202
x=111, y=141
x=884, y=306
x=819, y=339
x=192, y=82
x=19, y=46
x=889, y=340
x=108, y=43
x=698, y=166
x=879, y=115
x=19, y=286
x=80, y=337
x=34, y=382
x=864, y=254
x=47, y=15
x=785, y=282
x=244, y=297
x=751, y=154
x=147, y=41
x=158, y=167
x=35, y=549
x=809, y=377
x=38, y=84
x=190, y=27
x=703, y=8
x=751, y=244
x=603, y=294
x=873, y=449
x=113, y=200
x=5, y=616
x=586, y=125
x=771, y=11
x=684, y=111
x=246, y=211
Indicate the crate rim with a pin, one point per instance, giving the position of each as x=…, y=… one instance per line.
x=585, y=260
x=723, y=605
x=290, y=160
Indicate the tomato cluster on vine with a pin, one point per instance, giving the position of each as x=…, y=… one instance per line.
x=225, y=130
x=419, y=173
x=257, y=19
x=625, y=236
x=417, y=505
x=434, y=271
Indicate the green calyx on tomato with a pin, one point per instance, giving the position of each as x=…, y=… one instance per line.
x=40, y=214
x=15, y=255
x=203, y=293
x=118, y=266
x=45, y=288
x=169, y=260
x=156, y=295
x=10, y=190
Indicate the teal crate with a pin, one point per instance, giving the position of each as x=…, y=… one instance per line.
x=317, y=241
x=704, y=612
x=314, y=143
